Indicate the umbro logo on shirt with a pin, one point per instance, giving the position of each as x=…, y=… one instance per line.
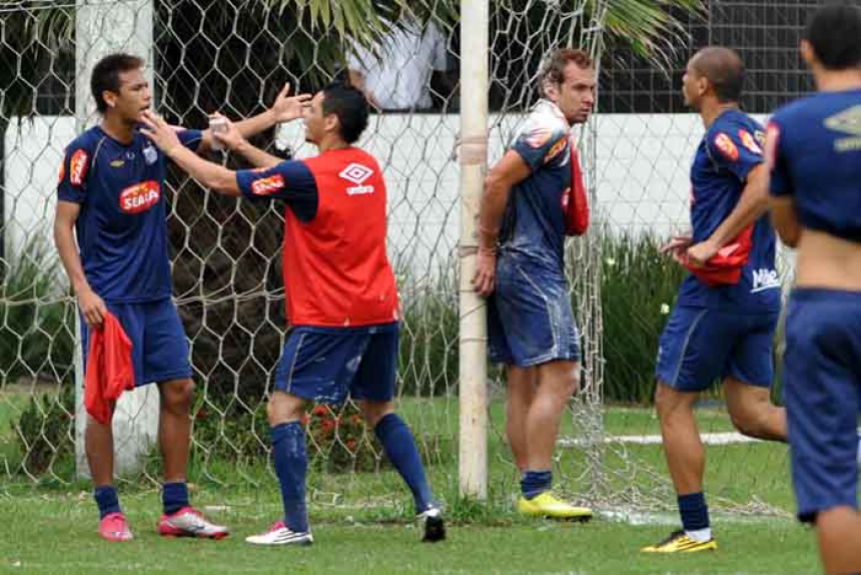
x=140, y=197
x=357, y=174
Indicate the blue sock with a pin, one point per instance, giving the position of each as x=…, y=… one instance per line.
x=694, y=511
x=174, y=496
x=400, y=448
x=534, y=483
x=107, y=500
x=291, y=466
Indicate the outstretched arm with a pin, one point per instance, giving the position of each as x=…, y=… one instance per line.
x=234, y=141
x=285, y=109
x=211, y=175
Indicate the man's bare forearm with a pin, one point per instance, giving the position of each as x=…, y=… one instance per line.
x=64, y=239
x=493, y=202
x=213, y=176
x=257, y=157
x=752, y=206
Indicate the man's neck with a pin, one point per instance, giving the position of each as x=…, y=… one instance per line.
x=837, y=80
x=330, y=143
x=118, y=129
x=712, y=109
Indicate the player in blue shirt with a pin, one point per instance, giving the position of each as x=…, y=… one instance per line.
x=725, y=316
x=814, y=151
x=530, y=323
x=111, y=197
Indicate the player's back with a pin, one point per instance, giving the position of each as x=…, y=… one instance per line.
x=337, y=271
x=815, y=146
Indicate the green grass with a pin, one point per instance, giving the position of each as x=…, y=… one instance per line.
x=56, y=534
x=743, y=475
x=361, y=519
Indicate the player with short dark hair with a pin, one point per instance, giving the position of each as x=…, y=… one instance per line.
x=111, y=198
x=723, y=324
x=814, y=151
x=342, y=301
x=521, y=270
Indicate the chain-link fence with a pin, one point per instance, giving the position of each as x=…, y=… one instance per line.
x=234, y=57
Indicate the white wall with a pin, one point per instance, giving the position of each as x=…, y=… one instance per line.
x=642, y=174
x=33, y=152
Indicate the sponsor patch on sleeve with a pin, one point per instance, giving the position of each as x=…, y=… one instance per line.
x=726, y=147
x=749, y=142
x=78, y=167
x=557, y=149
x=268, y=186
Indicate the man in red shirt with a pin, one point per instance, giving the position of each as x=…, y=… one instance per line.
x=342, y=301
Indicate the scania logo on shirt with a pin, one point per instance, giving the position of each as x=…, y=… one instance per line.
x=140, y=197
x=78, y=167
x=266, y=186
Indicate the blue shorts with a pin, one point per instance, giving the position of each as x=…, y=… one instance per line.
x=700, y=346
x=325, y=364
x=159, y=347
x=529, y=319
x=822, y=390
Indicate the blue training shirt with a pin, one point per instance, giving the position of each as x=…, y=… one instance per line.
x=534, y=221
x=121, y=228
x=730, y=149
x=815, y=158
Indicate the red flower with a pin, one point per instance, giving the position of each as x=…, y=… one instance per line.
x=320, y=410
x=351, y=444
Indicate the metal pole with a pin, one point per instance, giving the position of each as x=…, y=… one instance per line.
x=472, y=470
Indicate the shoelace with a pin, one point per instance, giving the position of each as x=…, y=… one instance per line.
x=276, y=526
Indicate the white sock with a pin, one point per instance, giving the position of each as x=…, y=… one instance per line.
x=700, y=535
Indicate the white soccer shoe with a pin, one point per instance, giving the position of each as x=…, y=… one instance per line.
x=280, y=534
x=188, y=522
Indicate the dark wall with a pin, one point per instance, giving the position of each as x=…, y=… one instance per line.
x=766, y=33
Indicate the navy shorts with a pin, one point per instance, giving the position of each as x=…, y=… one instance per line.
x=159, y=347
x=326, y=364
x=700, y=346
x=529, y=319
x=822, y=391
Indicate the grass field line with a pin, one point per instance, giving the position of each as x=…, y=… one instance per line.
x=719, y=438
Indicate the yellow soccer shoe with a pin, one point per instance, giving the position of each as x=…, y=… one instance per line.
x=679, y=542
x=548, y=505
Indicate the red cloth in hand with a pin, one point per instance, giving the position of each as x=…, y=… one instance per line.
x=109, y=369
x=724, y=268
x=576, y=203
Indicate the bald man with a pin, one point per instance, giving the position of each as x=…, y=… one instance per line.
x=723, y=324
